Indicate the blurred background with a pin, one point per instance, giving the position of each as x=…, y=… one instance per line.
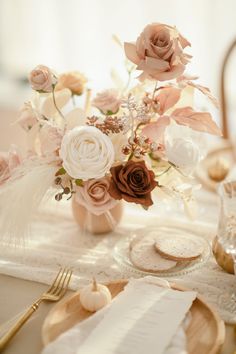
x=77, y=35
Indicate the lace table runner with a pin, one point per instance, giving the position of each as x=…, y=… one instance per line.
x=56, y=240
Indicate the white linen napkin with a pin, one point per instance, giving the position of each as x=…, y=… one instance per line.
x=138, y=311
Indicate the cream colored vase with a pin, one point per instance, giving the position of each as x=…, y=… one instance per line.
x=97, y=224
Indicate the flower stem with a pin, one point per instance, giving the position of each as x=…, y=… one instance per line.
x=153, y=94
x=131, y=156
x=55, y=104
x=162, y=173
x=128, y=82
x=177, y=169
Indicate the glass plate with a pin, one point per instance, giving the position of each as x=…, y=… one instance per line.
x=121, y=251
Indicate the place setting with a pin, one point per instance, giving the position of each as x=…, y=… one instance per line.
x=89, y=208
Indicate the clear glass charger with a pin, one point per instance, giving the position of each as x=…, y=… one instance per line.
x=122, y=249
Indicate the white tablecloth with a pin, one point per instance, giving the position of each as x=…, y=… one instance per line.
x=56, y=240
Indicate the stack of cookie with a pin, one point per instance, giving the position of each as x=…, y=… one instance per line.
x=158, y=253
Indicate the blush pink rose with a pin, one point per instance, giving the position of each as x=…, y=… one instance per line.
x=94, y=196
x=158, y=52
x=50, y=138
x=42, y=79
x=108, y=101
x=27, y=117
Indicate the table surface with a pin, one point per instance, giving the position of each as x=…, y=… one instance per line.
x=17, y=294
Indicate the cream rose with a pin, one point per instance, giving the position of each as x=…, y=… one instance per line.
x=42, y=79
x=74, y=81
x=158, y=52
x=86, y=153
x=108, y=101
x=94, y=196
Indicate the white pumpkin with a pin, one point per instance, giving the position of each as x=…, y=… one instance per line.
x=94, y=297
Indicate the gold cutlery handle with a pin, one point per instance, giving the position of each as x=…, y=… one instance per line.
x=17, y=326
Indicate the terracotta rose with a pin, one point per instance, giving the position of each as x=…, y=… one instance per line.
x=132, y=182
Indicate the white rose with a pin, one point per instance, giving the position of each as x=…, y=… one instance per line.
x=182, y=147
x=86, y=153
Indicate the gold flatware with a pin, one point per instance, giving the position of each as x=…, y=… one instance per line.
x=56, y=291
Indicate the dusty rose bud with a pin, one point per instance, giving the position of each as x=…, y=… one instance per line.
x=126, y=150
x=58, y=180
x=42, y=79
x=147, y=141
x=58, y=197
x=66, y=190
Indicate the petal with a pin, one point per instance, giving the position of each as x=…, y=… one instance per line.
x=167, y=98
x=74, y=118
x=184, y=42
x=130, y=52
x=62, y=97
x=155, y=131
x=171, y=74
x=205, y=91
x=114, y=191
x=153, y=64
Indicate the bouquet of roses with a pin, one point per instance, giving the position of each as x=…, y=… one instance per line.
x=124, y=143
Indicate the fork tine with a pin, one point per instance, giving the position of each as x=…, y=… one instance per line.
x=60, y=282
x=53, y=284
x=60, y=292
x=57, y=282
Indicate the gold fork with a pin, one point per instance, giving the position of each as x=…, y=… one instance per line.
x=56, y=291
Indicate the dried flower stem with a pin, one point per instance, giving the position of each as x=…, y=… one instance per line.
x=128, y=82
x=162, y=173
x=55, y=104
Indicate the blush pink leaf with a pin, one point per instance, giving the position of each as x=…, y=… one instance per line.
x=167, y=98
x=187, y=81
x=155, y=131
x=200, y=121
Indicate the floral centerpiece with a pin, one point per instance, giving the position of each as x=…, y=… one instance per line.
x=123, y=144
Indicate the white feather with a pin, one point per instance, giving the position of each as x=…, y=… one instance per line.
x=21, y=196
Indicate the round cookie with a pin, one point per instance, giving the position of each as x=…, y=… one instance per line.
x=144, y=256
x=180, y=248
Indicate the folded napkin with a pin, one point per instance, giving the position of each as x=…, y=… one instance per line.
x=148, y=316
